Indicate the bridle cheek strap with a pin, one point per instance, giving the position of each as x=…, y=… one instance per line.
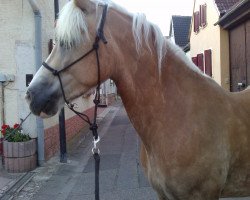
x=56, y=73
x=95, y=47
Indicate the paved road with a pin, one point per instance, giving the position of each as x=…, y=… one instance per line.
x=121, y=177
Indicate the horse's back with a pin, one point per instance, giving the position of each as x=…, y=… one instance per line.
x=243, y=100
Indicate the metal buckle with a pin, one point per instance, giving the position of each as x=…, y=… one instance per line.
x=95, y=149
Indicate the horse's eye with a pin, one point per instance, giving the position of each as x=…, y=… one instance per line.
x=62, y=44
x=67, y=45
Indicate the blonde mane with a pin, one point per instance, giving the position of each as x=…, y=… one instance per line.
x=142, y=30
x=72, y=28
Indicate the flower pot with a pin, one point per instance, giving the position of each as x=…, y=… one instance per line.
x=20, y=156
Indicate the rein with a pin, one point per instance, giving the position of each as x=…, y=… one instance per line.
x=93, y=126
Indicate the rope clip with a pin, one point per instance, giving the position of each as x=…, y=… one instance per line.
x=95, y=149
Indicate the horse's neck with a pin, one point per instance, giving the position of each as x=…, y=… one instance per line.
x=150, y=100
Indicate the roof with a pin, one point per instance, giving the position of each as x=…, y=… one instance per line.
x=225, y=5
x=238, y=14
x=186, y=48
x=181, y=26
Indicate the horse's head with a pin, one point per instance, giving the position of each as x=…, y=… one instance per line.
x=129, y=37
x=76, y=34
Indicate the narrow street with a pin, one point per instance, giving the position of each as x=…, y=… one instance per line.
x=121, y=176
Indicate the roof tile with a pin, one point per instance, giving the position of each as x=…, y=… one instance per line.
x=225, y=5
x=181, y=25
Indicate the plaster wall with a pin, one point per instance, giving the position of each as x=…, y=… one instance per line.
x=17, y=57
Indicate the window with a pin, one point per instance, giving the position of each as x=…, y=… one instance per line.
x=203, y=15
x=196, y=21
x=208, y=62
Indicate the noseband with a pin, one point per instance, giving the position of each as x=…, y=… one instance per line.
x=99, y=37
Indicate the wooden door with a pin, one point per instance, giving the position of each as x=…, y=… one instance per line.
x=239, y=57
x=248, y=50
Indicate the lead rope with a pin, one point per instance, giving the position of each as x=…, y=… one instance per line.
x=93, y=126
x=95, y=150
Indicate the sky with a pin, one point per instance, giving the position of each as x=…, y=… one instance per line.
x=159, y=11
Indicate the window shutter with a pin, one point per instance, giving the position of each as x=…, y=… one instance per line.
x=196, y=21
x=194, y=59
x=200, y=62
x=203, y=15
x=208, y=62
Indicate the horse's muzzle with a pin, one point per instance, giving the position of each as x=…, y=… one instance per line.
x=41, y=103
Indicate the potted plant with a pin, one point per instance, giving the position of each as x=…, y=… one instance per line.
x=19, y=150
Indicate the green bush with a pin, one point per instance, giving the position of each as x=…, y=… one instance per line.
x=14, y=134
x=18, y=137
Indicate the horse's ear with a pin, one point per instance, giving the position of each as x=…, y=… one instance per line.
x=85, y=5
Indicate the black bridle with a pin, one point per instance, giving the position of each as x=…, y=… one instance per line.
x=93, y=126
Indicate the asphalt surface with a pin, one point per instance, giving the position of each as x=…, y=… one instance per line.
x=121, y=175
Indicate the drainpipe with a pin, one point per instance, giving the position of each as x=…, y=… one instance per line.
x=2, y=103
x=38, y=60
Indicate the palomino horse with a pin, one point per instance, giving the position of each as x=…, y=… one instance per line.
x=196, y=136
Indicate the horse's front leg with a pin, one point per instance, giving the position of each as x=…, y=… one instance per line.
x=144, y=159
x=144, y=162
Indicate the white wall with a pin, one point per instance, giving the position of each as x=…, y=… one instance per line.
x=17, y=56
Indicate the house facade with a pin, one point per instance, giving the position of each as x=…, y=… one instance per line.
x=27, y=28
x=209, y=42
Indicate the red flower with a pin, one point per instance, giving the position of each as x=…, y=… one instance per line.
x=5, y=126
x=16, y=126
